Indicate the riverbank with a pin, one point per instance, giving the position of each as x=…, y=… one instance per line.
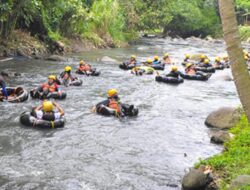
x=234, y=161
x=22, y=43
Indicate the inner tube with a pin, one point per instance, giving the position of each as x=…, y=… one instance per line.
x=205, y=69
x=204, y=77
x=27, y=119
x=55, y=95
x=158, y=67
x=170, y=80
x=125, y=66
x=184, y=63
x=127, y=110
x=18, y=94
x=219, y=67
x=94, y=73
x=76, y=82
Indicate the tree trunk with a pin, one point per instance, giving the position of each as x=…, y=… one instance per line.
x=234, y=49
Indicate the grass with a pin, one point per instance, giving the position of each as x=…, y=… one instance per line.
x=244, y=32
x=235, y=160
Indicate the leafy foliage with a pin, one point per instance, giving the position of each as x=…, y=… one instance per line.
x=116, y=19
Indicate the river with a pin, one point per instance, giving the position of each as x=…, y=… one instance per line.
x=92, y=152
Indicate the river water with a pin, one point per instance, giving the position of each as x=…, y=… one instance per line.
x=94, y=152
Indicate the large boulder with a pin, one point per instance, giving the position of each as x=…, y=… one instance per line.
x=196, y=180
x=108, y=59
x=224, y=118
x=239, y=182
x=219, y=137
x=56, y=58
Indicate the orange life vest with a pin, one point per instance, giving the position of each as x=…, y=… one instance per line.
x=85, y=68
x=167, y=60
x=51, y=88
x=190, y=71
x=66, y=76
x=113, y=104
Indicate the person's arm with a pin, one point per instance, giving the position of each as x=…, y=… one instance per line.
x=38, y=108
x=62, y=74
x=61, y=111
x=40, y=88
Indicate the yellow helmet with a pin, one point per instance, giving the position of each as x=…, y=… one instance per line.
x=133, y=56
x=156, y=57
x=52, y=77
x=67, y=68
x=189, y=65
x=203, y=56
x=187, y=56
x=206, y=61
x=174, y=68
x=112, y=92
x=48, y=106
x=246, y=57
x=217, y=59
x=166, y=55
x=149, y=61
x=82, y=62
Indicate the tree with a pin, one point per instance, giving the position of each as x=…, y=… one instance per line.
x=234, y=49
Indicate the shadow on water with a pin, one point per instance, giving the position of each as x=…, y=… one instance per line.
x=95, y=152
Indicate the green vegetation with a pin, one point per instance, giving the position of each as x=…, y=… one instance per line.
x=235, y=160
x=113, y=21
x=244, y=32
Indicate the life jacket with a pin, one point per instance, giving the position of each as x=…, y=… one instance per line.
x=113, y=104
x=65, y=76
x=190, y=71
x=48, y=116
x=156, y=62
x=51, y=88
x=85, y=68
x=167, y=60
x=131, y=62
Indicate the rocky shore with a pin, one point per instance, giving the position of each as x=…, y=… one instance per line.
x=205, y=177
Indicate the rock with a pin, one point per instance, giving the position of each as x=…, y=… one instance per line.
x=20, y=52
x=196, y=180
x=224, y=118
x=56, y=58
x=240, y=182
x=108, y=59
x=218, y=41
x=227, y=78
x=220, y=137
x=212, y=186
x=11, y=74
x=209, y=38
